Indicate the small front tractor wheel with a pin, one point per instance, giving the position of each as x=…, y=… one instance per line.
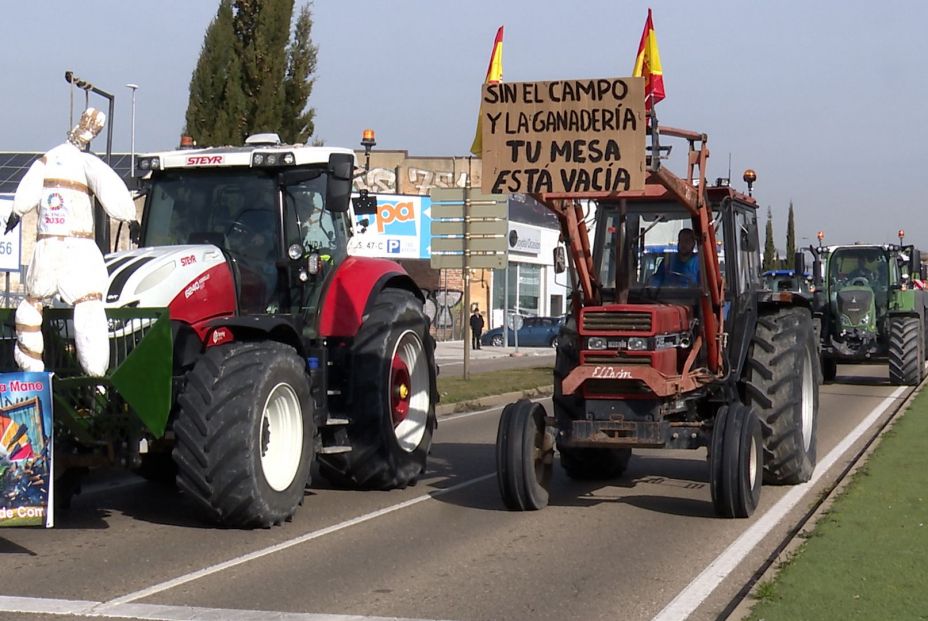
x=905, y=356
x=780, y=385
x=391, y=386
x=524, y=456
x=245, y=434
x=736, y=460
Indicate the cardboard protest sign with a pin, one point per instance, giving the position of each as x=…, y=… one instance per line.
x=26, y=449
x=577, y=136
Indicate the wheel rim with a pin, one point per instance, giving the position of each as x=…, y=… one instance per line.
x=808, y=403
x=497, y=341
x=281, y=437
x=752, y=463
x=409, y=391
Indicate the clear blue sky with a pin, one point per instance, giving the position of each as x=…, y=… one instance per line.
x=825, y=100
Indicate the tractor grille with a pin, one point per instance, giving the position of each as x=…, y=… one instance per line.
x=606, y=358
x=616, y=321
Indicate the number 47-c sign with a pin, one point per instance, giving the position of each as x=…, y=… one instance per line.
x=10, y=244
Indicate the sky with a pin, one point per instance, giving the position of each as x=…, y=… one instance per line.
x=825, y=100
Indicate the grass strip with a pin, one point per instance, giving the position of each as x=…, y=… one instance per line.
x=867, y=558
x=457, y=390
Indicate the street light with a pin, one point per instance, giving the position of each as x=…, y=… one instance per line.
x=133, y=88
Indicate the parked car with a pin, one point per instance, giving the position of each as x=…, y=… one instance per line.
x=535, y=332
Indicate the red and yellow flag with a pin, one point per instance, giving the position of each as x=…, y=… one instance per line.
x=494, y=75
x=648, y=64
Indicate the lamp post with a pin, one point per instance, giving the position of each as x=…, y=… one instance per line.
x=133, y=88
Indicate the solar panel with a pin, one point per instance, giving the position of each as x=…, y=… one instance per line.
x=13, y=167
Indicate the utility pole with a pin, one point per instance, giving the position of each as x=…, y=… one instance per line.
x=466, y=322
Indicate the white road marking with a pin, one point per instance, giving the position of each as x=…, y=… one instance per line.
x=212, y=569
x=156, y=612
x=453, y=417
x=686, y=602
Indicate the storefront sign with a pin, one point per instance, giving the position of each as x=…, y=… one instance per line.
x=399, y=229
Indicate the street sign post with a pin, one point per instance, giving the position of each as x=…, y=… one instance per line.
x=469, y=230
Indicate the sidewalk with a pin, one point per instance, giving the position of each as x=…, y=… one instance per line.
x=447, y=351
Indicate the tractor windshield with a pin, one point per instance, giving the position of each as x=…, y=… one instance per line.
x=211, y=206
x=656, y=249
x=863, y=267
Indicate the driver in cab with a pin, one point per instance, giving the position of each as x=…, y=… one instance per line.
x=861, y=271
x=681, y=269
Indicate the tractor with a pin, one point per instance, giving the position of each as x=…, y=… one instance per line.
x=246, y=343
x=871, y=308
x=719, y=362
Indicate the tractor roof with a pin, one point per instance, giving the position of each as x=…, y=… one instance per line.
x=262, y=150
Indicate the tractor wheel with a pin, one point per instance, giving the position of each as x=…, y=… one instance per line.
x=580, y=463
x=524, y=456
x=829, y=370
x=779, y=384
x=245, y=434
x=391, y=385
x=736, y=461
x=905, y=356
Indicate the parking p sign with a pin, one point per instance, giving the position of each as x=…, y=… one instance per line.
x=11, y=243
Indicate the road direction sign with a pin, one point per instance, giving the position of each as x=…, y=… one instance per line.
x=469, y=229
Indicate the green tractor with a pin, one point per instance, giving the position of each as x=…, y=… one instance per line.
x=871, y=308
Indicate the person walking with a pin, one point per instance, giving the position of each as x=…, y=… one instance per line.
x=476, y=327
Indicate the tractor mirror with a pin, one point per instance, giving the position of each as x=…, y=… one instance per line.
x=560, y=260
x=341, y=175
x=799, y=263
x=364, y=204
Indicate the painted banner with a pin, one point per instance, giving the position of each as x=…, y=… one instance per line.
x=26, y=432
x=400, y=229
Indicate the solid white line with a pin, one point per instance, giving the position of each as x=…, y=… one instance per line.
x=212, y=569
x=156, y=612
x=686, y=602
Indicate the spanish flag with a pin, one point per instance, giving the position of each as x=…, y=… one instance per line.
x=648, y=64
x=494, y=75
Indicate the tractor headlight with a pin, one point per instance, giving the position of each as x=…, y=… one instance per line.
x=865, y=319
x=637, y=343
x=596, y=342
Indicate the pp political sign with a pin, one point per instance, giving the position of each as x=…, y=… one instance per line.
x=26, y=443
x=574, y=136
x=399, y=229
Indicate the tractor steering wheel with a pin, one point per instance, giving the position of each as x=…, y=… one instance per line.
x=860, y=281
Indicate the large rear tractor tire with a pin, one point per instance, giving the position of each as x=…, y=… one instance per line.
x=780, y=385
x=245, y=434
x=905, y=355
x=392, y=411
x=736, y=460
x=524, y=456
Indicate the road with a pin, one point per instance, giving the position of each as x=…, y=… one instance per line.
x=444, y=549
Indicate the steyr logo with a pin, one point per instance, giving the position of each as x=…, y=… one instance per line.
x=204, y=160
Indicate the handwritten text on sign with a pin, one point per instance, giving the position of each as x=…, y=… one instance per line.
x=577, y=136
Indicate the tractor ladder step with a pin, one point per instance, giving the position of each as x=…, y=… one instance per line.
x=329, y=450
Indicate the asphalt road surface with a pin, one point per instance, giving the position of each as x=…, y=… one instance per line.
x=644, y=546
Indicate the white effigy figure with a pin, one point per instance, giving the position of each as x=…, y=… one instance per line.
x=66, y=260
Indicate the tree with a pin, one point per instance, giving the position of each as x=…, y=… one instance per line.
x=296, y=119
x=248, y=78
x=790, y=239
x=770, y=251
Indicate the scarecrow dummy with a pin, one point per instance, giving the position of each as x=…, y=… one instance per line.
x=66, y=260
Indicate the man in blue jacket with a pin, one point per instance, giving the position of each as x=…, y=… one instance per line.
x=681, y=269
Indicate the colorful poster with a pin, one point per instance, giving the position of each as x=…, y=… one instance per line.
x=400, y=229
x=26, y=449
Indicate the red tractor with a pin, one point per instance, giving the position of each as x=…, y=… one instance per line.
x=684, y=352
x=246, y=343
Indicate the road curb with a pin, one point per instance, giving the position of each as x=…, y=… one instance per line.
x=489, y=401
